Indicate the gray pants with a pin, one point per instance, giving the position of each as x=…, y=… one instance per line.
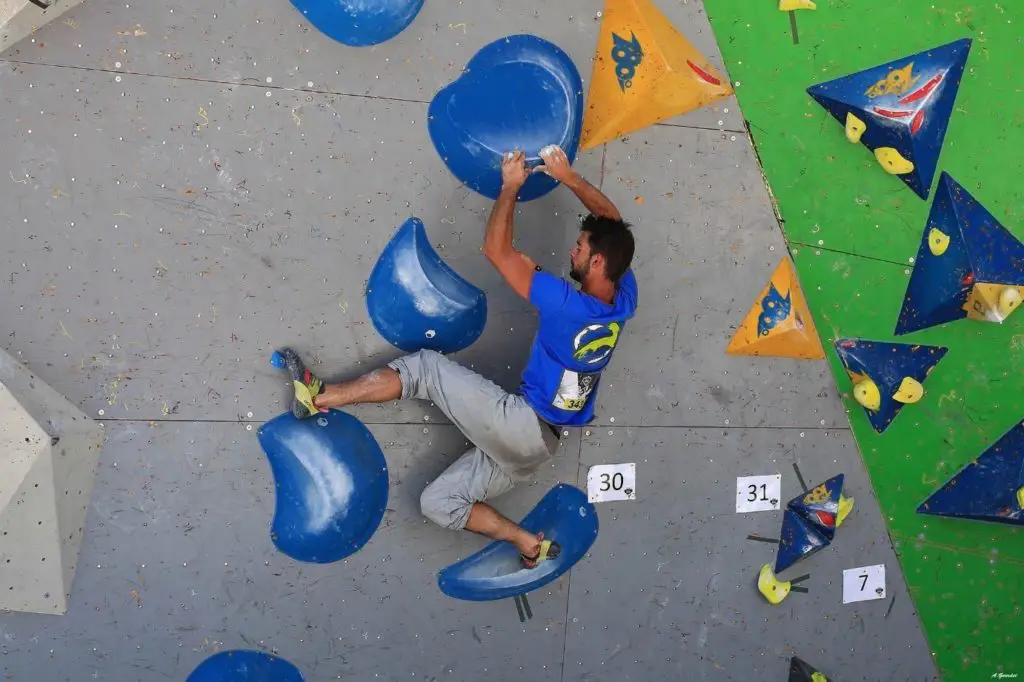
x=510, y=443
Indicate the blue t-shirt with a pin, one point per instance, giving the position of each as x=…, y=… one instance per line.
x=574, y=342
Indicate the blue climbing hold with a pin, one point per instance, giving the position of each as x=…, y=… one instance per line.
x=799, y=539
x=517, y=93
x=820, y=506
x=495, y=572
x=989, y=488
x=332, y=484
x=963, y=248
x=801, y=671
x=904, y=106
x=359, y=23
x=245, y=665
x=417, y=302
x=809, y=522
x=886, y=366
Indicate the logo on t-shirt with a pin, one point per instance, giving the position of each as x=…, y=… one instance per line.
x=595, y=342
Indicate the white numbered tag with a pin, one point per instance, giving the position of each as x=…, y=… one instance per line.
x=607, y=482
x=758, y=493
x=864, y=583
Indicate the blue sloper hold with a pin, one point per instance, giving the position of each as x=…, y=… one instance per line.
x=517, y=93
x=990, y=488
x=359, y=23
x=331, y=482
x=495, y=572
x=417, y=302
x=820, y=505
x=244, y=665
x=799, y=539
x=887, y=364
x=979, y=249
x=904, y=104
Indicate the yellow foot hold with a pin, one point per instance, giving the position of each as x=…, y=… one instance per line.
x=866, y=393
x=1020, y=497
x=854, y=128
x=845, y=507
x=790, y=5
x=772, y=589
x=818, y=677
x=909, y=392
x=893, y=162
x=938, y=241
x=1009, y=300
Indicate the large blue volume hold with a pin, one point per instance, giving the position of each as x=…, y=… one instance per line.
x=517, y=93
x=245, y=665
x=331, y=482
x=495, y=572
x=904, y=104
x=359, y=23
x=417, y=302
x=987, y=489
x=980, y=249
x=887, y=364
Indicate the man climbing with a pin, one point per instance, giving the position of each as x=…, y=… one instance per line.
x=513, y=434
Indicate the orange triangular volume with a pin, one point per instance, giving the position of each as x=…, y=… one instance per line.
x=780, y=323
x=645, y=71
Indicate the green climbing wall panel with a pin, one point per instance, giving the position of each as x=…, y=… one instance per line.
x=853, y=231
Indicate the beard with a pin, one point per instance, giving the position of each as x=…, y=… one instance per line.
x=578, y=273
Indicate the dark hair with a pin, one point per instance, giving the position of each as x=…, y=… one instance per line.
x=612, y=239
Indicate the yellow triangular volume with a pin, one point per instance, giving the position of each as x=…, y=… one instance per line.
x=645, y=71
x=780, y=323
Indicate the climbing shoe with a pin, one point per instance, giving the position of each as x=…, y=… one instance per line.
x=307, y=385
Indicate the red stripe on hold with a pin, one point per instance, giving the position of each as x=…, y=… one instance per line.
x=889, y=113
x=703, y=74
x=828, y=520
x=922, y=91
x=917, y=122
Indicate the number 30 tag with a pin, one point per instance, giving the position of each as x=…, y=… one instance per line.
x=607, y=482
x=758, y=493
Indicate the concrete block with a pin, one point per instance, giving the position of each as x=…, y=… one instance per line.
x=20, y=18
x=49, y=451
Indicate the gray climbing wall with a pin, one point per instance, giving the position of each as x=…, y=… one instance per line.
x=190, y=185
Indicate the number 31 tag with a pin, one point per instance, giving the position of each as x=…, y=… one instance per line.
x=608, y=482
x=758, y=493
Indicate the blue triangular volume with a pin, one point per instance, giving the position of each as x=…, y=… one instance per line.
x=495, y=572
x=820, y=505
x=905, y=104
x=939, y=285
x=801, y=671
x=887, y=364
x=518, y=92
x=416, y=301
x=996, y=255
x=799, y=539
x=987, y=488
x=980, y=249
